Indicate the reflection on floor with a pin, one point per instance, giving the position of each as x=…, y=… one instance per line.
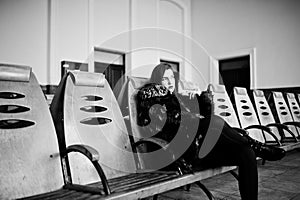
x=277, y=180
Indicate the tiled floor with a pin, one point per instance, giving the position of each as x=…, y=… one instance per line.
x=278, y=180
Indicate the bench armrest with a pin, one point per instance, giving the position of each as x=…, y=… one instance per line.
x=297, y=124
x=93, y=155
x=283, y=127
x=265, y=129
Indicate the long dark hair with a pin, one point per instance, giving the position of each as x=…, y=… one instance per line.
x=158, y=73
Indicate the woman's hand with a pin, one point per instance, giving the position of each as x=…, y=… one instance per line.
x=193, y=93
x=190, y=93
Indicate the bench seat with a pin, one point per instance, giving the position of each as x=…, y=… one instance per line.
x=137, y=185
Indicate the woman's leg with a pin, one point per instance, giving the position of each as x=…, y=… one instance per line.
x=234, y=149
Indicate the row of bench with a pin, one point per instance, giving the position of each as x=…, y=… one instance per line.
x=82, y=148
x=257, y=117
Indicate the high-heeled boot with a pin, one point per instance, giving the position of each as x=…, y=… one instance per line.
x=266, y=152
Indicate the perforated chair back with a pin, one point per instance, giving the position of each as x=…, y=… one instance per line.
x=294, y=107
x=92, y=117
x=264, y=112
x=30, y=162
x=283, y=112
x=223, y=106
x=246, y=112
x=137, y=132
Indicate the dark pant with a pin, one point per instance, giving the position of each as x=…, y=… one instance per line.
x=232, y=149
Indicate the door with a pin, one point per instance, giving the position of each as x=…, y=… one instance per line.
x=235, y=72
x=114, y=74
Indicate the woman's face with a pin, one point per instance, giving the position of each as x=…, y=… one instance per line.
x=168, y=80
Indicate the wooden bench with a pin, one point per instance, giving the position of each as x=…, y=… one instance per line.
x=126, y=100
x=90, y=115
x=288, y=140
x=251, y=122
x=35, y=166
x=285, y=117
x=31, y=163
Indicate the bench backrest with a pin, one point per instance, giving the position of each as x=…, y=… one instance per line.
x=134, y=84
x=246, y=112
x=137, y=132
x=127, y=100
x=222, y=105
x=283, y=112
x=92, y=117
x=264, y=112
x=294, y=107
x=132, y=87
x=30, y=162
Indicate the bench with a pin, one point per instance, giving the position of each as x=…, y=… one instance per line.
x=126, y=100
x=90, y=115
x=39, y=162
x=256, y=123
x=31, y=164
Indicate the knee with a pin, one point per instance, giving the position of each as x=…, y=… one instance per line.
x=247, y=156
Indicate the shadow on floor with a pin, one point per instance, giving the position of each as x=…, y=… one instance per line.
x=278, y=180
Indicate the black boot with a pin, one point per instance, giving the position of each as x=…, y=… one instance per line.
x=270, y=153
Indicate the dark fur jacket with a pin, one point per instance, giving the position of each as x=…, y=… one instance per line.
x=159, y=110
x=165, y=115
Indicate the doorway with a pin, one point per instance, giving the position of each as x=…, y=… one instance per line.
x=235, y=72
x=112, y=64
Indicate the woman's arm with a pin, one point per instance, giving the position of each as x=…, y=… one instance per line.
x=189, y=106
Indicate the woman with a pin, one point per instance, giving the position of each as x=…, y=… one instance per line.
x=230, y=148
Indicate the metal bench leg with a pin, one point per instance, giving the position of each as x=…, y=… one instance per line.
x=205, y=190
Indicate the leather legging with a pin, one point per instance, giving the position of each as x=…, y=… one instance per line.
x=233, y=149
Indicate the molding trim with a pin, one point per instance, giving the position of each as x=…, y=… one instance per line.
x=186, y=31
x=53, y=68
x=91, y=51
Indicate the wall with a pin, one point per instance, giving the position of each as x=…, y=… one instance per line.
x=69, y=34
x=24, y=35
x=42, y=33
x=270, y=26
